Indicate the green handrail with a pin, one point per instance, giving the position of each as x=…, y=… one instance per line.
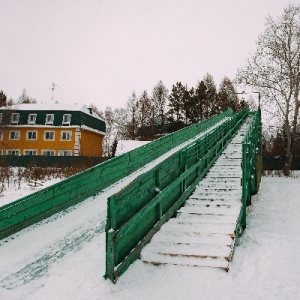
x=139, y=210
x=251, y=163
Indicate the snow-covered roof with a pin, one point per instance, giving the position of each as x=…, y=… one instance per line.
x=52, y=106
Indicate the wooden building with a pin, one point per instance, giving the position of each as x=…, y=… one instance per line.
x=53, y=130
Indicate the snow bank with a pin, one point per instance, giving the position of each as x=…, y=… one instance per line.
x=128, y=145
x=265, y=265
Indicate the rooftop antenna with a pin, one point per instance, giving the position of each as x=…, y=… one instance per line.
x=54, y=86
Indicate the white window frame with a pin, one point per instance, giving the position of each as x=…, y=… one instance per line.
x=47, y=139
x=68, y=134
x=14, y=119
x=51, y=152
x=65, y=153
x=31, y=119
x=1, y=117
x=30, y=152
x=1, y=135
x=31, y=131
x=50, y=120
x=1, y=152
x=66, y=119
x=16, y=137
x=9, y=152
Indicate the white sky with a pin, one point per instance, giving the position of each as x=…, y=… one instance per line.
x=100, y=51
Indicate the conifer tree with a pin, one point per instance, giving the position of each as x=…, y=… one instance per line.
x=3, y=99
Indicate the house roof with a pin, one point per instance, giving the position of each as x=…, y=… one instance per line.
x=52, y=107
x=80, y=115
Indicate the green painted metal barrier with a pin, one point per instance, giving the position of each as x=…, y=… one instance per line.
x=137, y=212
x=251, y=163
x=42, y=204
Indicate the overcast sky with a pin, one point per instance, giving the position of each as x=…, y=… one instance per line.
x=99, y=51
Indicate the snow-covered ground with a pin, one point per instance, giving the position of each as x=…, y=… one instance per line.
x=15, y=192
x=265, y=265
x=128, y=145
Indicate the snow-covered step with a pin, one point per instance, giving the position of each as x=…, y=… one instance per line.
x=161, y=259
x=225, y=186
x=216, y=219
x=172, y=237
x=197, y=251
x=186, y=226
x=233, y=210
x=203, y=232
x=198, y=200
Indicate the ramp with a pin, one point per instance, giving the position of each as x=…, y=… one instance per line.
x=205, y=229
x=215, y=209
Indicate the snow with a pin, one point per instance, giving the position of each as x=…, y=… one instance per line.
x=128, y=145
x=63, y=257
x=265, y=265
x=15, y=192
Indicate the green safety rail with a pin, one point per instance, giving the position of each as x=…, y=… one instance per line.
x=46, y=202
x=137, y=212
x=251, y=163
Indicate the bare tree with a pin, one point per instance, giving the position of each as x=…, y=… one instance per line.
x=160, y=98
x=274, y=70
x=132, y=111
x=144, y=112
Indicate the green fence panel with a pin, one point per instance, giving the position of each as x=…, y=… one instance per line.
x=42, y=204
x=251, y=163
x=136, y=212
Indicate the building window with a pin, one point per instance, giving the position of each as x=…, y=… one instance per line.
x=1, y=117
x=49, y=119
x=48, y=152
x=66, y=136
x=13, y=152
x=49, y=135
x=31, y=135
x=30, y=152
x=66, y=119
x=65, y=153
x=15, y=118
x=14, y=135
x=31, y=118
x=1, y=134
x=1, y=152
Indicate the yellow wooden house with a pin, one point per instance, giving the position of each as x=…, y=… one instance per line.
x=53, y=130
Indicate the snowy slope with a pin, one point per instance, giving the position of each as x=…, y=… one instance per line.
x=63, y=257
x=265, y=265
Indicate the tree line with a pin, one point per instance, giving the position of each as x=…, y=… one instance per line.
x=162, y=111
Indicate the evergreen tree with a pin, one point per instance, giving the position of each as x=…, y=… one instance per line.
x=227, y=95
x=3, y=99
x=187, y=108
x=176, y=100
x=114, y=147
x=199, y=99
x=210, y=107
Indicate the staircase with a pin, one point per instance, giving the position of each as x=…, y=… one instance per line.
x=204, y=230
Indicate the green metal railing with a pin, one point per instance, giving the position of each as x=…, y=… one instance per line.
x=46, y=202
x=251, y=163
x=137, y=212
